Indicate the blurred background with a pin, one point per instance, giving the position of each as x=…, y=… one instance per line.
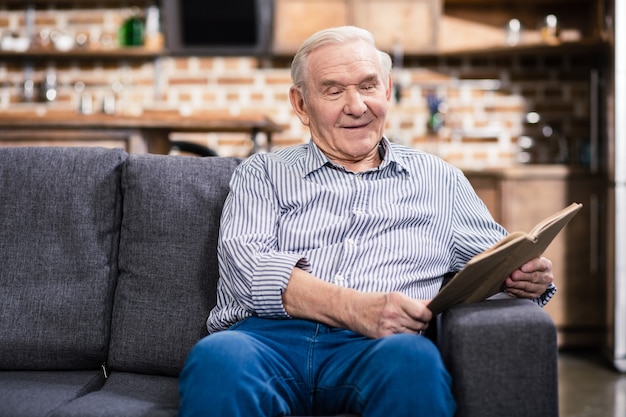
x=524, y=95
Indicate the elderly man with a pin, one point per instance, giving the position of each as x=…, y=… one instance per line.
x=329, y=253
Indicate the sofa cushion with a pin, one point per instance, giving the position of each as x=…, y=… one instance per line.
x=37, y=393
x=168, y=259
x=483, y=345
x=128, y=395
x=60, y=214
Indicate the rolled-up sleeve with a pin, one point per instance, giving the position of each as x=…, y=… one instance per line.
x=254, y=272
x=546, y=296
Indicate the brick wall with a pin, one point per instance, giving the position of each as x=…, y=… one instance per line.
x=485, y=97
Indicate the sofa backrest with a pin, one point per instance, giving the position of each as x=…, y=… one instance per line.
x=60, y=215
x=168, y=259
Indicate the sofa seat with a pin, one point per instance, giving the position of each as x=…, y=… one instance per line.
x=39, y=393
x=128, y=395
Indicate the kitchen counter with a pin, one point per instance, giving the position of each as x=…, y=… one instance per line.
x=530, y=171
x=519, y=197
x=497, y=186
x=148, y=132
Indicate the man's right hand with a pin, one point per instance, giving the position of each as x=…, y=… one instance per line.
x=373, y=315
x=379, y=315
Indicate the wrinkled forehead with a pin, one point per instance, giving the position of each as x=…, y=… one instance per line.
x=351, y=60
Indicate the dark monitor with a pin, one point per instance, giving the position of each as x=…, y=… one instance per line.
x=231, y=27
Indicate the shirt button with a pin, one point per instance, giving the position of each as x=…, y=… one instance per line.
x=339, y=278
x=351, y=242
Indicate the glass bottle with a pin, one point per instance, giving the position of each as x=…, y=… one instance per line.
x=131, y=33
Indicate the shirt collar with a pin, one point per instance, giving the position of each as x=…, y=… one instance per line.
x=316, y=159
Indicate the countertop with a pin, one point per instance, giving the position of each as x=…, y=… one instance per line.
x=200, y=121
x=529, y=171
x=154, y=126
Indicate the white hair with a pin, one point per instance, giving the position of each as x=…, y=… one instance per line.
x=334, y=36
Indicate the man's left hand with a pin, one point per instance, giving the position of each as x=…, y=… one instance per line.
x=531, y=280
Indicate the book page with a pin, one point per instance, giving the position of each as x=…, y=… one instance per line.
x=562, y=216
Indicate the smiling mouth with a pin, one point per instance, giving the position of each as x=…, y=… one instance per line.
x=360, y=126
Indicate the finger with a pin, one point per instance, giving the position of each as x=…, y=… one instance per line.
x=413, y=326
x=418, y=311
x=528, y=274
x=415, y=310
x=414, y=320
x=524, y=284
x=537, y=264
x=539, y=278
x=525, y=289
x=522, y=294
x=402, y=326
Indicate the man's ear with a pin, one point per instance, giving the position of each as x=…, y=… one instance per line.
x=389, y=88
x=298, y=105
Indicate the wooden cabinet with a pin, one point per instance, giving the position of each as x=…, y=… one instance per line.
x=426, y=27
x=483, y=24
x=409, y=23
x=296, y=20
x=519, y=198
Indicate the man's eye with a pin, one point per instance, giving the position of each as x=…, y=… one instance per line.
x=333, y=93
x=368, y=87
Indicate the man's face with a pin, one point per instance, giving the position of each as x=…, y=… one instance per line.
x=344, y=101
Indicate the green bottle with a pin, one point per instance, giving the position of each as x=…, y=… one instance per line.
x=131, y=31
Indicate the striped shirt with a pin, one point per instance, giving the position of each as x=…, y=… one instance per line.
x=399, y=227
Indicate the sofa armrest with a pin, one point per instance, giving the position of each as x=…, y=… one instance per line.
x=502, y=356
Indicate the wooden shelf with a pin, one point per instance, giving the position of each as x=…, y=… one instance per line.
x=69, y=4
x=512, y=2
x=120, y=53
x=590, y=47
x=139, y=53
x=535, y=48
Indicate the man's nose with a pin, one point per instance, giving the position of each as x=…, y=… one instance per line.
x=355, y=103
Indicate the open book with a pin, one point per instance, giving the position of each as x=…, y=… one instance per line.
x=485, y=273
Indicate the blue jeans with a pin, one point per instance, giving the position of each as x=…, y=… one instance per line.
x=261, y=367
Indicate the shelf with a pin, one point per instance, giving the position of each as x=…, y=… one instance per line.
x=587, y=45
x=121, y=53
x=511, y=2
x=590, y=46
x=138, y=53
x=68, y=4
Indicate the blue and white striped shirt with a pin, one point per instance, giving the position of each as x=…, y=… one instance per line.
x=398, y=227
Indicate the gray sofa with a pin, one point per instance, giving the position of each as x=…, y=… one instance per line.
x=108, y=271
